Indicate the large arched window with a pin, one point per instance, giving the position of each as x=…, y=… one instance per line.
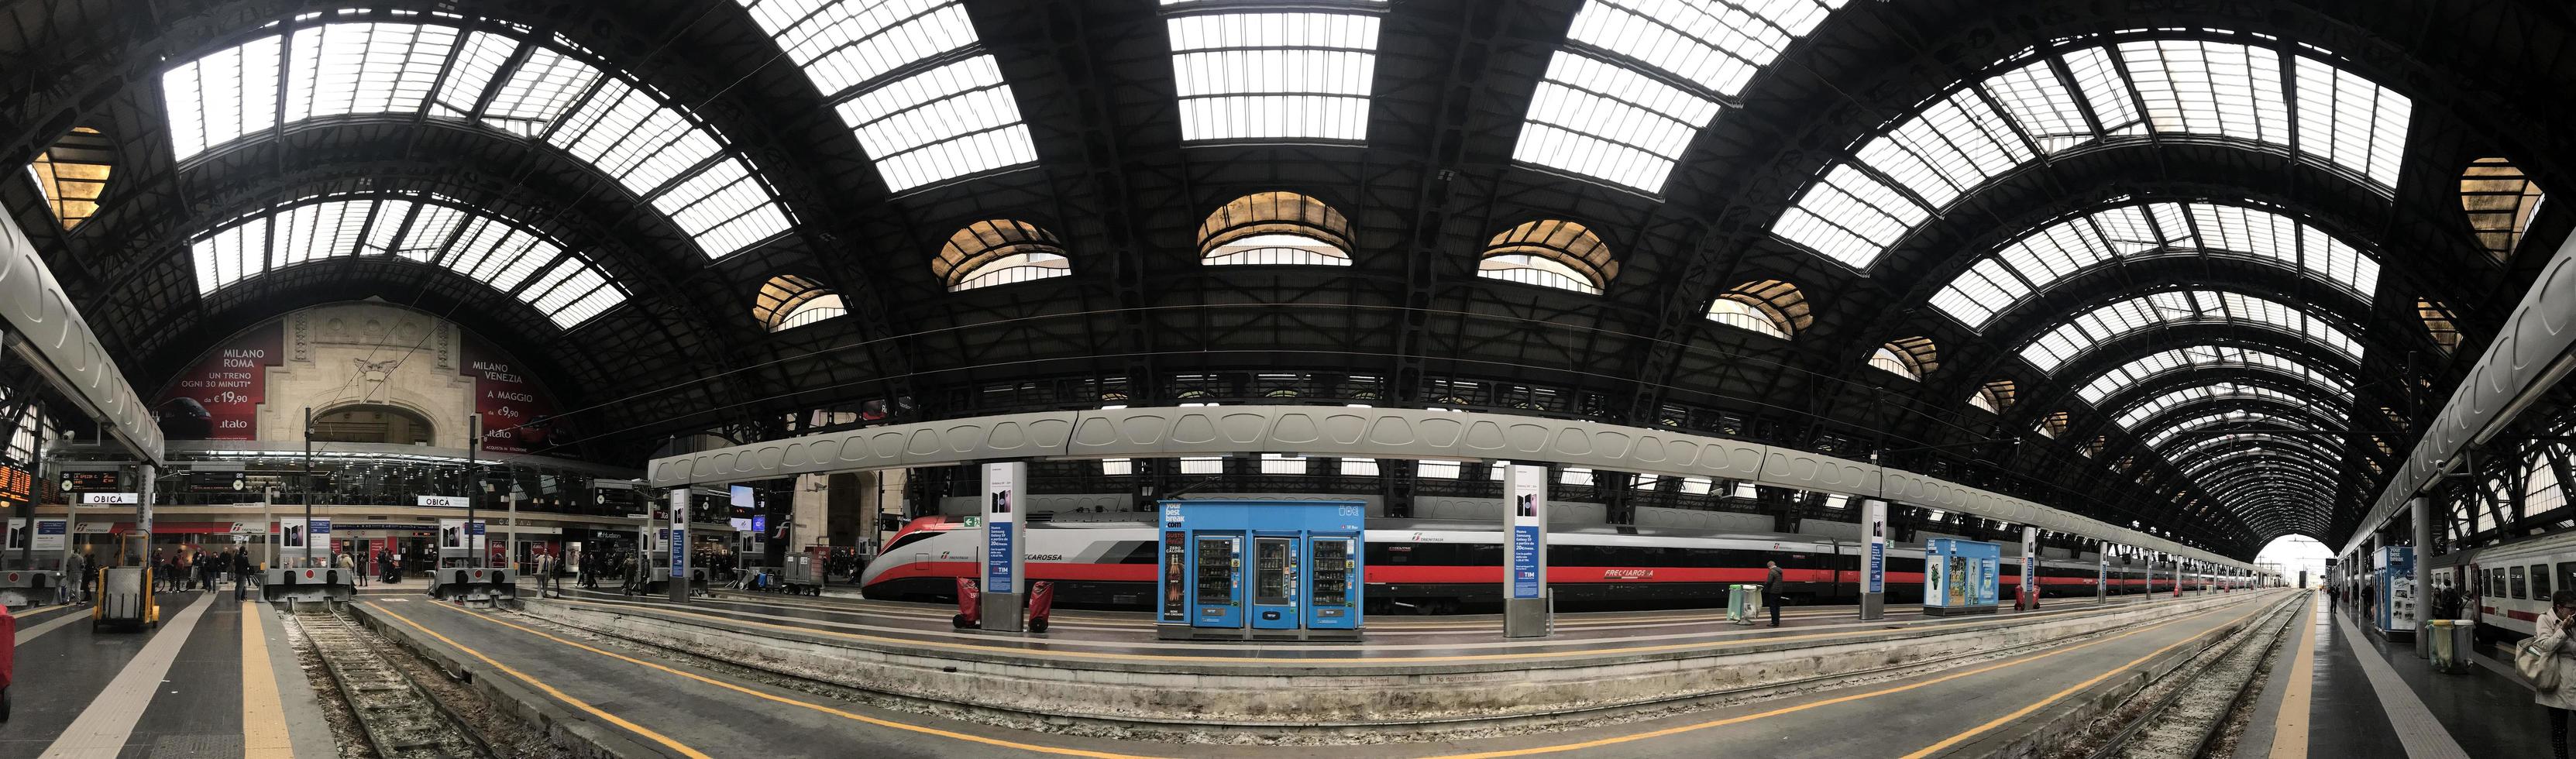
x=2438, y=323
x=429, y=229
x=788, y=301
x=1994, y=397
x=2499, y=201
x=1550, y=253
x=999, y=252
x=1908, y=357
x=373, y=423
x=2083, y=91
x=1275, y=228
x=1771, y=307
x=658, y=150
x=72, y=174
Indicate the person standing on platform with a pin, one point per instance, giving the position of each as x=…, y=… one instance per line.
x=241, y=575
x=2554, y=627
x=1771, y=592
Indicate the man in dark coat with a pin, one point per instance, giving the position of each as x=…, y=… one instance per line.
x=1771, y=592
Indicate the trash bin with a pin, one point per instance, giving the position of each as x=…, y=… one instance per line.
x=1743, y=602
x=2454, y=642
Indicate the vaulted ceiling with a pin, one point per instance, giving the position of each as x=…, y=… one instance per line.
x=2197, y=268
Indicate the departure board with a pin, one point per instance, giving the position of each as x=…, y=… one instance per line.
x=16, y=486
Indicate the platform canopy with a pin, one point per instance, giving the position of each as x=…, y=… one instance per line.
x=2206, y=272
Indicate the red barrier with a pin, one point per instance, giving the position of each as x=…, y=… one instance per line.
x=1041, y=603
x=970, y=605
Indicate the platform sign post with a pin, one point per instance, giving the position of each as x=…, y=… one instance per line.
x=1004, y=592
x=2102, y=572
x=2030, y=564
x=1873, y=563
x=1525, y=601
x=679, y=584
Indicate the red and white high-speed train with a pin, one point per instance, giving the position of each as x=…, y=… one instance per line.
x=1440, y=566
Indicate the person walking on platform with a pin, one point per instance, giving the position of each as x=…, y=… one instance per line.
x=241, y=575
x=2555, y=628
x=1771, y=592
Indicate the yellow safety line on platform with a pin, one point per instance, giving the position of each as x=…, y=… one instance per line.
x=2070, y=690
x=549, y=689
x=809, y=705
x=1382, y=660
x=264, y=731
x=2290, y=729
x=1633, y=737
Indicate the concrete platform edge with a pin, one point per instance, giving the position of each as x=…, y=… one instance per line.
x=583, y=737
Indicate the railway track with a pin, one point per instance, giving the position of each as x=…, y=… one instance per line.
x=401, y=719
x=2187, y=719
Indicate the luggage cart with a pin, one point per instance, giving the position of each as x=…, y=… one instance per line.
x=125, y=593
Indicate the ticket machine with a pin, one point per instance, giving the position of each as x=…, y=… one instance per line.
x=1266, y=570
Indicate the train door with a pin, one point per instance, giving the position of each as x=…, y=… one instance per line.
x=1216, y=590
x=1331, y=598
x=1275, y=583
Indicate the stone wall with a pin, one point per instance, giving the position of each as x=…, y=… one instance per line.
x=372, y=353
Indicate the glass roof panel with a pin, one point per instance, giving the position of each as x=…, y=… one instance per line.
x=1638, y=79
x=1849, y=217
x=2074, y=98
x=2263, y=441
x=494, y=250
x=620, y=129
x=1274, y=76
x=2205, y=357
x=2180, y=307
x=2141, y=411
x=2050, y=255
x=2224, y=417
x=923, y=117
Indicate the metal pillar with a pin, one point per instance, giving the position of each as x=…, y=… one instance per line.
x=679, y=584
x=1527, y=605
x=308, y=488
x=2102, y=572
x=1004, y=593
x=474, y=485
x=142, y=514
x=1873, y=563
x=2419, y=598
x=2030, y=565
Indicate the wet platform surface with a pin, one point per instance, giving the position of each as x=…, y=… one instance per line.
x=2368, y=698
x=217, y=678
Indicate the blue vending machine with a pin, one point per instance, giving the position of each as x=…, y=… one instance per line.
x=1216, y=590
x=1959, y=577
x=1268, y=570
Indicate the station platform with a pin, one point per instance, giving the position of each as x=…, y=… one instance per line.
x=2344, y=691
x=217, y=678
x=654, y=700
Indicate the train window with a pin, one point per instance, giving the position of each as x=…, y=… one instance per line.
x=2540, y=582
x=2519, y=588
x=2495, y=583
x=890, y=547
x=2567, y=575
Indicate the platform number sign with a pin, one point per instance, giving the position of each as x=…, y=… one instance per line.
x=1001, y=482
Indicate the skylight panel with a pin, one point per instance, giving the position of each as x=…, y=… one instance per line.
x=1605, y=110
x=222, y=96
x=1274, y=75
x=477, y=63
x=1952, y=146
x=540, y=91
x=2104, y=89
x=2112, y=321
x=489, y=249
x=627, y=135
x=921, y=127
x=1597, y=119
x=2150, y=408
x=2158, y=439
x=2040, y=102
x=723, y=207
x=1849, y=217
x=341, y=69
x=2212, y=88
x=951, y=121
x=2066, y=248
x=2350, y=121
x=2206, y=357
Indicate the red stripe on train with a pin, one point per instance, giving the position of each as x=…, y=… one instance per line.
x=1057, y=570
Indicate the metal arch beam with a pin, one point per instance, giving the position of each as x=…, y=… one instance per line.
x=2204, y=387
x=2536, y=349
x=2158, y=384
x=2233, y=461
x=2110, y=355
x=47, y=331
x=1364, y=433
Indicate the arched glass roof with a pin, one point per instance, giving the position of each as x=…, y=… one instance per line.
x=499, y=252
x=2139, y=412
x=2200, y=357
x=1265, y=70
x=2257, y=441
x=2323, y=469
x=2099, y=325
x=1637, y=80
x=2074, y=97
x=2204, y=421
x=909, y=78
x=2031, y=265
x=656, y=150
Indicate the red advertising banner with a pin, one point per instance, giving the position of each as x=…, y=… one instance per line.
x=219, y=398
x=515, y=413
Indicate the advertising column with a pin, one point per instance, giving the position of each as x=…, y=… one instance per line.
x=2101, y=572
x=2030, y=565
x=1525, y=604
x=679, y=545
x=1003, y=591
x=1873, y=563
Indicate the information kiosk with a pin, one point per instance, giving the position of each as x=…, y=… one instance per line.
x=1959, y=577
x=2395, y=610
x=1261, y=570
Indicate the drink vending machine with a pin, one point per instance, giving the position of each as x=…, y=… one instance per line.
x=1262, y=570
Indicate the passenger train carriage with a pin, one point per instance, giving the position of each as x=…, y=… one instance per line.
x=1441, y=566
x=2507, y=586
